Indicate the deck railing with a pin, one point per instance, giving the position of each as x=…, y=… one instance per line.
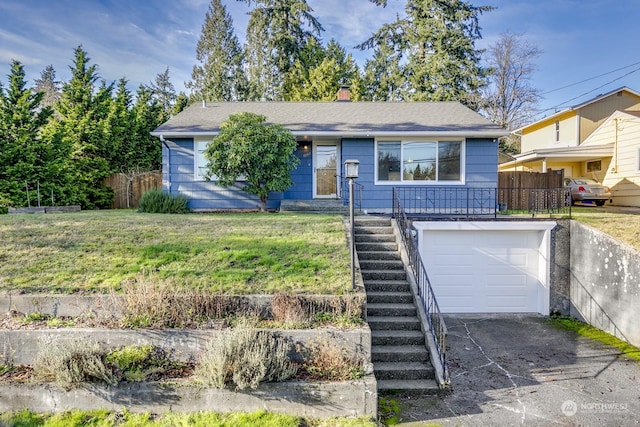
x=435, y=321
x=464, y=202
x=357, y=192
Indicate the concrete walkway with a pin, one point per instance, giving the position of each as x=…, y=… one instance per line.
x=509, y=370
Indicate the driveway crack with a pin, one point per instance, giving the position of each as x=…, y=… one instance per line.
x=505, y=371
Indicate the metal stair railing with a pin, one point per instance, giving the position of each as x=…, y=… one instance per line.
x=435, y=320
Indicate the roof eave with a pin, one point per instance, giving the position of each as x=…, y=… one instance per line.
x=351, y=134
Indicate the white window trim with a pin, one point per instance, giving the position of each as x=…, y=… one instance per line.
x=637, y=159
x=463, y=145
x=196, y=167
x=586, y=167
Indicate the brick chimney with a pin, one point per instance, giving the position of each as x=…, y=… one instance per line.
x=344, y=94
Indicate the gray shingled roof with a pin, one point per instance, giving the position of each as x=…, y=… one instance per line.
x=339, y=118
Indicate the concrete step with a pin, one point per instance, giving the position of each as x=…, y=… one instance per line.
x=372, y=221
x=367, y=229
x=378, y=255
x=367, y=238
x=392, y=337
x=403, y=371
x=408, y=387
x=396, y=323
x=386, y=309
x=381, y=264
x=398, y=353
x=376, y=246
x=383, y=297
x=383, y=275
x=326, y=206
x=387, y=286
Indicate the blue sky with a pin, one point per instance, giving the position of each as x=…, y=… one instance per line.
x=138, y=39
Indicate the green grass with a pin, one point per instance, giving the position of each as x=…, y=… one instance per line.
x=105, y=418
x=231, y=253
x=593, y=333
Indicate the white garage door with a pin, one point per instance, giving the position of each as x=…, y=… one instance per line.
x=487, y=271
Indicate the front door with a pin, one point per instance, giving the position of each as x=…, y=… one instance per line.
x=325, y=169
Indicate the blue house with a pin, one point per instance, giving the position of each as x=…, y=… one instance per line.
x=436, y=145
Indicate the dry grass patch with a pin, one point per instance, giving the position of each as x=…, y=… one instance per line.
x=620, y=226
x=225, y=253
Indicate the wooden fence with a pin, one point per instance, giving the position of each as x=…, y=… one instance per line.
x=129, y=188
x=515, y=189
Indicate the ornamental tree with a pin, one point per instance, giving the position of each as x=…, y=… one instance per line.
x=261, y=153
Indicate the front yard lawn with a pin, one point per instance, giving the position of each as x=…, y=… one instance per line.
x=94, y=251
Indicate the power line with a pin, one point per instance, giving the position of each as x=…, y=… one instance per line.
x=588, y=92
x=591, y=78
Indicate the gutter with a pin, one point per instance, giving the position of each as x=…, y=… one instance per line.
x=368, y=134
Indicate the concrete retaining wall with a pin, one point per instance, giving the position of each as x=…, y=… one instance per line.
x=605, y=282
x=318, y=400
x=22, y=346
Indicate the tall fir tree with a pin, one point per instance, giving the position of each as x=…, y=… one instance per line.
x=164, y=92
x=383, y=75
x=437, y=39
x=321, y=72
x=48, y=84
x=144, y=153
x=277, y=34
x=25, y=157
x=220, y=75
x=82, y=109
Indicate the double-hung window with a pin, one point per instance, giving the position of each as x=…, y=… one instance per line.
x=200, y=166
x=419, y=161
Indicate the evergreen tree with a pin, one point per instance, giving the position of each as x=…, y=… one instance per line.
x=48, y=84
x=437, y=39
x=118, y=128
x=384, y=75
x=319, y=74
x=24, y=154
x=276, y=37
x=144, y=152
x=82, y=111
x=220, y=76
x=164, y=92
x=182, y=102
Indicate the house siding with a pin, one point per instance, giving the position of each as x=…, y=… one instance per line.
x=593, y=115
x=203, y=195
x=481, y=158
x=544, y=135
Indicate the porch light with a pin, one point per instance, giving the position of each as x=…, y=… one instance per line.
x=351, y=168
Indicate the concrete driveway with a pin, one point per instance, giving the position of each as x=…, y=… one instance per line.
x=509, y=370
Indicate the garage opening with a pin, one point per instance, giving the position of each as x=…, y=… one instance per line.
x=488, y=267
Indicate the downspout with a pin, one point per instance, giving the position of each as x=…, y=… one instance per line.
x=166, y=145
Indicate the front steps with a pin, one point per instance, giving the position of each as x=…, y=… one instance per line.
x=400, y=357
x=318, y=206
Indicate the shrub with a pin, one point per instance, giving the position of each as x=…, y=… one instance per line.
x=243, y=357
x=139, y=363
x=72, y=362
x=157, y=201
x=324, y=360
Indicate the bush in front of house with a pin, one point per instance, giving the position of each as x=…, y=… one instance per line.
x=243, y=357
x=157, y=201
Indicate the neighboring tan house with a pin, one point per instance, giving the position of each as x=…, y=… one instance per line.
x=425, y=144
x=558, y=142
x=620, y=171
